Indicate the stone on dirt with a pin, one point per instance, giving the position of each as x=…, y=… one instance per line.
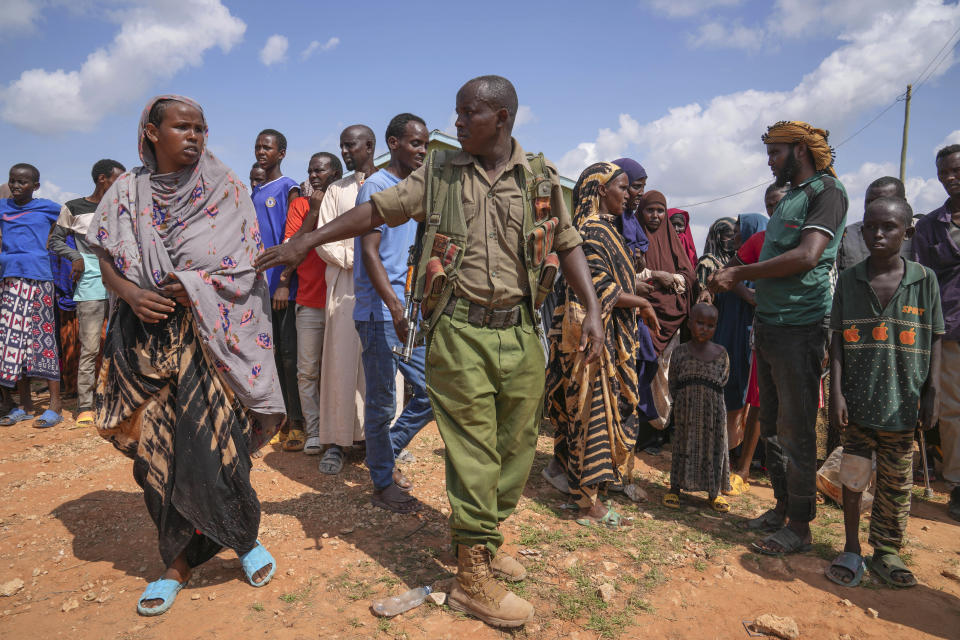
x=606, y=591
x=873, y=613
x=776, y=626
x=437, y=598
x=70, y=605
x=11, y=588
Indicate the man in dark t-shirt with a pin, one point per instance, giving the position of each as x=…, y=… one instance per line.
x=793, y=284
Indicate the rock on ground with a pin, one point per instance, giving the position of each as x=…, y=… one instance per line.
x=772, y=625
x=12, y=587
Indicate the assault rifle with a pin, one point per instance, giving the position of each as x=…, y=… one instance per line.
x=411, y=305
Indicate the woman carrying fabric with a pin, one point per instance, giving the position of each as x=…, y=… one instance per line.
x=669, y=269
x=735, y=318
x=188, y=387
x=593, y=405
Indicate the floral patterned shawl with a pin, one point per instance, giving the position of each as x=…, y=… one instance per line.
x=199, y=225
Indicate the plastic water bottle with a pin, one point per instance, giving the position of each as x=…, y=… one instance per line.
x=389, y=607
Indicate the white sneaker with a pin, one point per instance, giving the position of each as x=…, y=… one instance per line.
x=406, y=457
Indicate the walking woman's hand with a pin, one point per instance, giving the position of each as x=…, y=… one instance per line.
x=174, y=289
x=649, y=317
x=591, y=336
x=150, y=306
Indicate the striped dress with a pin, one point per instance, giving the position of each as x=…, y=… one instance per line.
x=594, y=406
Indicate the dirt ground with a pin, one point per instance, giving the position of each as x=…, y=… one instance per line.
x=74, y=530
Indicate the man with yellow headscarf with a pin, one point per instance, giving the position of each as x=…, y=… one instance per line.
x=793, y=296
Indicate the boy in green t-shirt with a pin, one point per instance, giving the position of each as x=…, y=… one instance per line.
x=885, y=354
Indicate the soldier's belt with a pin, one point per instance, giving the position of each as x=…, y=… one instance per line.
x=481, y=316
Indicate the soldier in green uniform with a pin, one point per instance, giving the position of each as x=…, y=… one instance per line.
x=496, y=229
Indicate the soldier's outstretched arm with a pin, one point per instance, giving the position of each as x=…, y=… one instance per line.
x=574, y=266
x=353, y=223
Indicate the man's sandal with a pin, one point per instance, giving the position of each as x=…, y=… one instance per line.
x=848, y=561
x=163, y=589
x=395, y=499
x=332, y=461
x=256, y=559
x=16, y=415
x=788, y=541
x=767, y=522
x=47, y=419
x=85, y=419
x=403, y=483
x=884, y=564
x=295, y=440
x=672, y=500
x=720, y=505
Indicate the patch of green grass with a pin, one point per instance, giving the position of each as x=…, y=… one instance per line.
x=383, y=625
x=300, y=595
x=257, y=606
x=535, y=536
x=355, y=623
x=700, y=565
x=610, y=624
x=348, y=586
x=635, y=601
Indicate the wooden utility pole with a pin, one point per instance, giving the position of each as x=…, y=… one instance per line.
x=906, y=131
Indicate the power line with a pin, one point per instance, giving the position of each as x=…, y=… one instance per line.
x=695, y=204
x=919, y=82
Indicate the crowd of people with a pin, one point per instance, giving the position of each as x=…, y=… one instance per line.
x=199, y=319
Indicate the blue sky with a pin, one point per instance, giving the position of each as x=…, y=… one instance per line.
x=684, y=86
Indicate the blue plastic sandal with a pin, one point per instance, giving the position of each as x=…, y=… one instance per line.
x=256, y=559
x=16, y=415
x=48, y=419
x=163, y=589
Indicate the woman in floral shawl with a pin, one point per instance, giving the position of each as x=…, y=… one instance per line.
x=593, y=405
x=188, y=386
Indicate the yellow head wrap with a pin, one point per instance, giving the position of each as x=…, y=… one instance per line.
x=791, y=132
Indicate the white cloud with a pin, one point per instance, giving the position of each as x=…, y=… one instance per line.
x=525, y=115
x=790, y=19
x=275, y=50
x=700, y=152
x=153, y=44
x=734, y=35
x=316, y=45
x=953, y=138
x=687, y=8
x=451, y=128
x=18, y=16
x=51, y=191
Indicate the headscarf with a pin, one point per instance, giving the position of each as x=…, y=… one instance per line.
x=633, y=231
x=751, y=223
x=198, y=224
x=686, y=238
x=666, y=253
x=794, y=131
x=714, y=244
x=632, y=168
x=586, y=204
x=716, y=254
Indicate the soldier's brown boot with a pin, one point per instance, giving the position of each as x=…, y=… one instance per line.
x=477, y=593
x=505, y=567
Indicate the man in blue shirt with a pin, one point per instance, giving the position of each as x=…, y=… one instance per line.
x=271, y=200
x=379, y=280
